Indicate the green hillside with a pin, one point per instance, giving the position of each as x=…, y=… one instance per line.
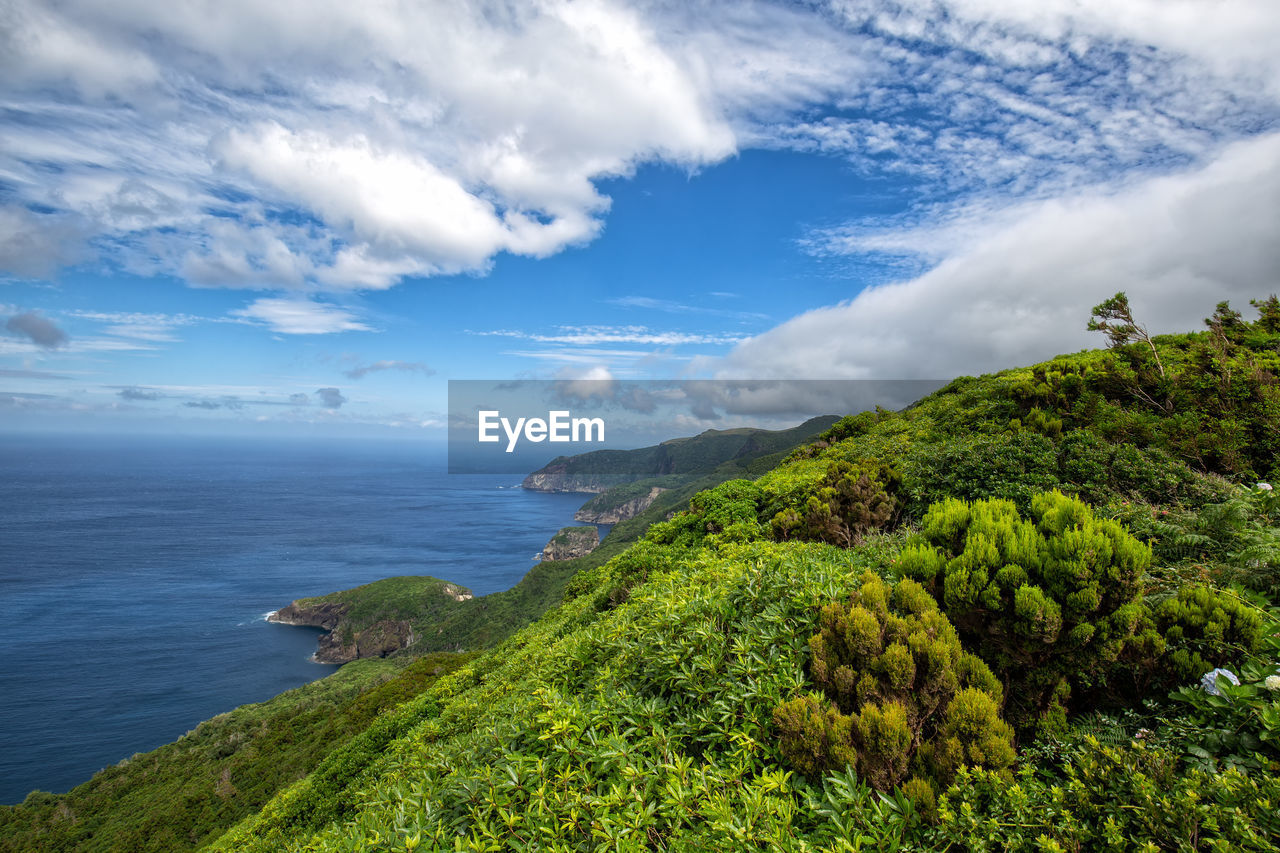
x=978, y=624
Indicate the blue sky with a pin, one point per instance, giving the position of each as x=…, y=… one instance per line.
x=308, y=217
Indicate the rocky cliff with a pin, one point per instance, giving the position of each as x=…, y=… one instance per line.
x=556, y=477
x=598, y=511
x=571, y=542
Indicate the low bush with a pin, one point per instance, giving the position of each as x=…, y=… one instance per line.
x=899, y=697
x=851, y=501
x=1184, y=636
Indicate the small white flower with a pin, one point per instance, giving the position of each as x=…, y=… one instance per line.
x=1266, y=487
x=1272, y=683
x=1209, y=681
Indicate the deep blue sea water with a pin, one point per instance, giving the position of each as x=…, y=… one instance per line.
x=135, y=575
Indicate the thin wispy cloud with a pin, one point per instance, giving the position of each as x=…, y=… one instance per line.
x=144, y=326
x=671, y=307
x=595, y=335
x=301, y=316
x=30, y=374
x=134, y=393
x=362, y=370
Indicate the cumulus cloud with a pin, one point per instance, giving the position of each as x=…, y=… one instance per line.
x=360, y=143
x=330, y=398
x=362, y=370
x=1019, y=286
x=39, y=330
x=299, y=399
x=301, y=316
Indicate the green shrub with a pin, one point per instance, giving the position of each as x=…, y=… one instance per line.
x=727, y=513
x=1185, y=636
x=1047, y=602
x=1236, y=540
x=851, y=501
x=1013, y=466
x=1237, y=724
x=899, y=695
x=611, y=583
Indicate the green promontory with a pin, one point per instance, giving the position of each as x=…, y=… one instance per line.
x=374, y=620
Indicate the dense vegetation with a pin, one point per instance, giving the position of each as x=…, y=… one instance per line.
x=1035, y=611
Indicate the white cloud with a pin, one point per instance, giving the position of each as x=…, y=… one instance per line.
x=671, y=307
x=301, y=316
x=359, y=371
x=418, y=139
x=335, y=146
x=1020, y=289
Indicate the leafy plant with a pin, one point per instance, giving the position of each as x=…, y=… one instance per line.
x=1123, y=798
x=1237, y=724
x=1185, y=635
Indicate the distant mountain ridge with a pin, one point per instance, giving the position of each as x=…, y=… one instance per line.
x=601, y=470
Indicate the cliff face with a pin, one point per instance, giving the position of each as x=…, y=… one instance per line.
x=376, y=641
x=344, y=644
x=618, y=512
x=571, y=542
x=325, y=615
x=556, y=477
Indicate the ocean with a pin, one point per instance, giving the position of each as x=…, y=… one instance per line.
x=136, y=574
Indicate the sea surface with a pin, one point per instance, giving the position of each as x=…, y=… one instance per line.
x=136, y=574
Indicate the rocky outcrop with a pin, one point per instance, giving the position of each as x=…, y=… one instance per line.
x=376, y=641
x=324, y=615
x=571, y=542
x=593, y=513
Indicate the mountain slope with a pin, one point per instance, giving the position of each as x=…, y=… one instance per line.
x=673, y=460
x=647, y=710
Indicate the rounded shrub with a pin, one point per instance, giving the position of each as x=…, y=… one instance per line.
x=851, y=501
x=1047, y=601
x=899, y=698
x=726, y=513
x=1193, y=632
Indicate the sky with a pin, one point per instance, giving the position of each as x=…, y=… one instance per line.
x=307, y=217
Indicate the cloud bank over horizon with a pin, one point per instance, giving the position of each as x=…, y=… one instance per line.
x=1016, y=285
